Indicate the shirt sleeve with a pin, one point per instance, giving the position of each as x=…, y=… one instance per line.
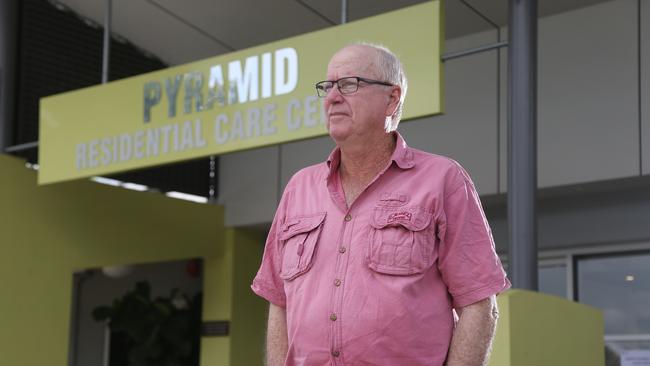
x=267, y=283
x=467, y=259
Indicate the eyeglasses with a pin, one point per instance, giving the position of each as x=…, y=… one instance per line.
x=347, y=85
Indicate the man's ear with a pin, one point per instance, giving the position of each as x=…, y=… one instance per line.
x=393, y=101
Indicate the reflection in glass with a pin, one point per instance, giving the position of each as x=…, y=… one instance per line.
x=620, y=287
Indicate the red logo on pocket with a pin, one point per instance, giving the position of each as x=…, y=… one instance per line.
x=399, y=216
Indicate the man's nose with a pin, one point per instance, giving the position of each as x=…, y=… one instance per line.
x=334, y=95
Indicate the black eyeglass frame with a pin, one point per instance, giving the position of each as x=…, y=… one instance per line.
x=338, y=85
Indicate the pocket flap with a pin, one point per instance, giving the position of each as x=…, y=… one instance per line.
x=412, y=218
x=301, y=224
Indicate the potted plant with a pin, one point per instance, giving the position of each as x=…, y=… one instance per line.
x=164, y=331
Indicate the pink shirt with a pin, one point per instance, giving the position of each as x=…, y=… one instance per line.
x=375, y=283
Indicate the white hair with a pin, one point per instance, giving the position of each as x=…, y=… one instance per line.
x=391, y=70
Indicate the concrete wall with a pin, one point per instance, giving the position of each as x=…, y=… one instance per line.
x=468, y=131
x=588, y=95
x=614, y=212
x=249, y=186
x=591, y=115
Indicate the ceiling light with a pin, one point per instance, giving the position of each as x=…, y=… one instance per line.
x=135, y=186
x=107, y=181
x=629, y=278
x=117, y=271
x=187, y=197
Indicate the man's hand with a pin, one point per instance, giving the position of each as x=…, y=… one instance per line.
x=472, y=339
x=276, y=336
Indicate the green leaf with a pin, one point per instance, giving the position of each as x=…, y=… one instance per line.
x=102, y=313
x=143, y=288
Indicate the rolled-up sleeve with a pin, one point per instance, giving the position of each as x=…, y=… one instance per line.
x=467, y=259
x=267, y=283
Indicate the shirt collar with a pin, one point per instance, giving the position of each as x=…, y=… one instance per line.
x=402, y=156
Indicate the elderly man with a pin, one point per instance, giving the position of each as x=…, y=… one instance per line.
x=371, y=252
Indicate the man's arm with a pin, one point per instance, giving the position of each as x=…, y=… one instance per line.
x=276, y=336
x=472, y=339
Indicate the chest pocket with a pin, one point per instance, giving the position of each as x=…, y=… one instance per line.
x=401, y=242
x=299, y=236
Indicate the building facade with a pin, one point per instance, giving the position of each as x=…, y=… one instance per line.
x=593, y=129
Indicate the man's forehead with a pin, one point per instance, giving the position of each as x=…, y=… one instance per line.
x=355, y=58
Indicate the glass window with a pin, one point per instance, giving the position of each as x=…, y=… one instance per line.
x=552, y=279
x=620, y=286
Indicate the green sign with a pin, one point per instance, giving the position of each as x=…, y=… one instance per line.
x=255, y=97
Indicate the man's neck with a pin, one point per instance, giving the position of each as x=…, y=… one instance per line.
x=361, y=163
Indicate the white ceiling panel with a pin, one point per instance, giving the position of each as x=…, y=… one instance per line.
x=151, y=29
x=459, y=20
x=182, y=31
x=247, y=23
x=497, y=10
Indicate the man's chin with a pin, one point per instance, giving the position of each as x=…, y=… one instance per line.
x=338, y=134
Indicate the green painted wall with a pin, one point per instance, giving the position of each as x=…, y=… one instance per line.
x=500, y=345
x=249, y=311
x=48, y=232
x=536, y=329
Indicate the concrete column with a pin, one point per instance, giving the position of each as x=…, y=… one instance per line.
x=522, y=144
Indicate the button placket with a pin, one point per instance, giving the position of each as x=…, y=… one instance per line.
x=338, y=279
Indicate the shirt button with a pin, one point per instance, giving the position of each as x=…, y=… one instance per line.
x=337, y=282
x=336, y=353
x=348, y=217
x=333, y=317
x=342, y=250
